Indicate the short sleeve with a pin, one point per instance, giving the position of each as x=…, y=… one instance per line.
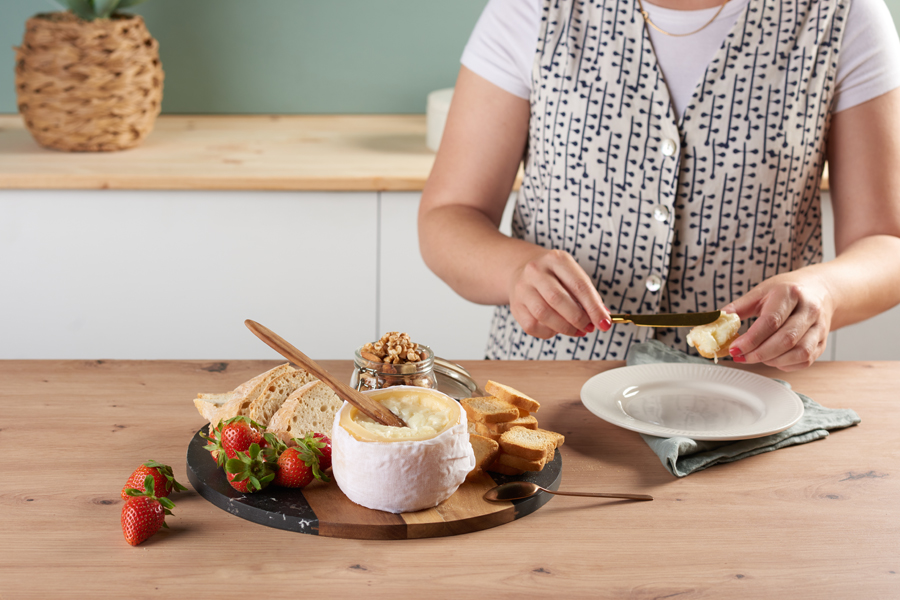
x=869, y=60
x=502, y=46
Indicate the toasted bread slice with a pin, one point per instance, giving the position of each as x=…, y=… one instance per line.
x=488, y=409
x=528, y=422
x=273, y=395
x=498, y=467
x=523, y=464
x=512, y=395
x=530, y=444
x=482, y=429
x=485, y=449
x=311, y=408
x=560, y=438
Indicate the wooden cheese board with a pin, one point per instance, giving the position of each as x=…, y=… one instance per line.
x=322, y=509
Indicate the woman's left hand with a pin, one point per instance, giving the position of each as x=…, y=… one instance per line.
x=794, y=312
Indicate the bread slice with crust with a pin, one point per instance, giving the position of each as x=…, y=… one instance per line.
x=529, y=444
x=209, y=405
x=523, y=464
x=488, y=409
x=310, y=408
x=528, y=422
x=512, y=396
x=214, y=410
x=274, y=395
x=486, y=451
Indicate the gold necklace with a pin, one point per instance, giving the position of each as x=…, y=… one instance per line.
x=651, y=24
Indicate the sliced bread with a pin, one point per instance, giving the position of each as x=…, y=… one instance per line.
x=488, y=409
x=498, y=467
x=530, y=444
x=246, y=393
x=209, y=405
x=311, y=408
x=523, y=464
x=273, y=395
x=558, y=437
x=528, y=422
x=486, y=451
x=512, y=396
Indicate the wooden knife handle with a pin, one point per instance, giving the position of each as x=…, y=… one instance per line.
x=370, y=408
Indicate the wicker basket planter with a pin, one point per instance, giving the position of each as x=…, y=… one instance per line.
x=88, y=86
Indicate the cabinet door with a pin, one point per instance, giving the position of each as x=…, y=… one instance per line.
x=154, y=275
x=415, y=300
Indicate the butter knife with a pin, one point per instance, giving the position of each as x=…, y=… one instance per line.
x=668, y=319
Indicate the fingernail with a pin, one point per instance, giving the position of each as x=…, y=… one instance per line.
x=736, y=355
x=589, y=328
x=579, y=334
x=605, y=324
x=734, y=351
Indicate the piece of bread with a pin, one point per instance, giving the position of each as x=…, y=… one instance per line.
x=213, y=411
x=530, y=444
x=273, y=395
x=714, y=340
x=488, y=409
x=560, y=438
x=512, y=395
x=311, y=408
x=486, y=450
x=498, y=467
x=523, y=464
x=528, y=422
x=482, y=429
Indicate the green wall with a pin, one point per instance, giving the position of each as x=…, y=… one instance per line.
x=291, y=56
x=288, y=56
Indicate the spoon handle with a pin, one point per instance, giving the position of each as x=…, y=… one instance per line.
x=601, y=495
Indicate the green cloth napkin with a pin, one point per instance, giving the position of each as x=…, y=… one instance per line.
x=683, y=456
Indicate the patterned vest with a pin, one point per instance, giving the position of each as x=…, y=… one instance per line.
x=669, y=215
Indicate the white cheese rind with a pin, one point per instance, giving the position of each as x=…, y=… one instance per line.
x=401, y=476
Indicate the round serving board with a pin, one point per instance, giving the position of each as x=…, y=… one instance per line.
x=322, y=509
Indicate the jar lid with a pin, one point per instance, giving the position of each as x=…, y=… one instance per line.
x=453, y=379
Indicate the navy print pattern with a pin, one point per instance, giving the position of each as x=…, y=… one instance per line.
x=670, y=215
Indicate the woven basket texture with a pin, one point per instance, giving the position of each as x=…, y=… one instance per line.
x=88, y=86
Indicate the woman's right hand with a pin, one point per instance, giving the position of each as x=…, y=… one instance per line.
x=550, y=294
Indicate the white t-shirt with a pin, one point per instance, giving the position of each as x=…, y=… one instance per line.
x=502, y=46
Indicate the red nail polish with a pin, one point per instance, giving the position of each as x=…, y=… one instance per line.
x=734, y=351
x=739, y=358
x=589, y=328
x=605, y=324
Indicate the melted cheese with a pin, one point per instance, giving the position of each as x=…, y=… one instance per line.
x=427, y=414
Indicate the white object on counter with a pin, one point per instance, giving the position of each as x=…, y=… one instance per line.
x=436, y=116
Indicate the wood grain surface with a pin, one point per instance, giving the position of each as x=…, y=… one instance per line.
x=820, y=520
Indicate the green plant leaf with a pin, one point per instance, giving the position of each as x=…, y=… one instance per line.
x=83, y=9
x=104, y=8
x=127, y=3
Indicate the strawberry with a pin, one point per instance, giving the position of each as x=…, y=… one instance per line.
x=143, y=513
x=298, y=465
x=163, y=480
x=234, y=435
x=250, y=471
x=323, y=443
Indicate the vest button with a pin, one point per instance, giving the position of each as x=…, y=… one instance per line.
x=668, y=147
x=653, y=283
x=660, y=213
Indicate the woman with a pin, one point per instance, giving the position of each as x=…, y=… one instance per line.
x=672, y=163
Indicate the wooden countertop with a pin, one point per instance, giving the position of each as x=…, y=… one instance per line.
x=302, y=153
x=820, y=520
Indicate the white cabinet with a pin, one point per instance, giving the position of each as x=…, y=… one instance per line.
x=151, y=275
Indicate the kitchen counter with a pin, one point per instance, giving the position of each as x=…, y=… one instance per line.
x=300, y=153
x=820, y=520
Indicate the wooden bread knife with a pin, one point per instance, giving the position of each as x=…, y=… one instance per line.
x=669, y=319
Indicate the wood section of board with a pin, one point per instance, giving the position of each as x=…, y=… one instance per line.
x=322, y=509
x=270, y=152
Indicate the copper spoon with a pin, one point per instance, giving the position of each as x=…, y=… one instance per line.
x=516, y=490
x=370, y=408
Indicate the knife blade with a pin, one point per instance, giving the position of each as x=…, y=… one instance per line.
x=668, y=319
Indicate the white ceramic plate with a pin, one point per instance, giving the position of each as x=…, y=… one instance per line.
x=702, y=402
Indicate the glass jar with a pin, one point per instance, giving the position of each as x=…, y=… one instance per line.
x=370, y=375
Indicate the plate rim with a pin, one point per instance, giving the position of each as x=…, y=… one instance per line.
x=666, y=432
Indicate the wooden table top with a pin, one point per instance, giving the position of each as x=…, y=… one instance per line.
x=820, y=520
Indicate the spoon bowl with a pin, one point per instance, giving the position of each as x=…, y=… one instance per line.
x=516, y=490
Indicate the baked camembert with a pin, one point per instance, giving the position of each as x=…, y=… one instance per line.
x=402, y=469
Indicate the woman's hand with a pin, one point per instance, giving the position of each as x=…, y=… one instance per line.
x=794, y=313
x=550, y=294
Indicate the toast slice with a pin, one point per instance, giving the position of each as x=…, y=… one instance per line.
x=529, y=444
x=484, y=430
x=273, y=396
x=486, y=451
x=498, y=467
x=560, y=438
x=512, y=396
x=310, y=408
x=523, y=464
x=528, y=422
x=488, y=409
